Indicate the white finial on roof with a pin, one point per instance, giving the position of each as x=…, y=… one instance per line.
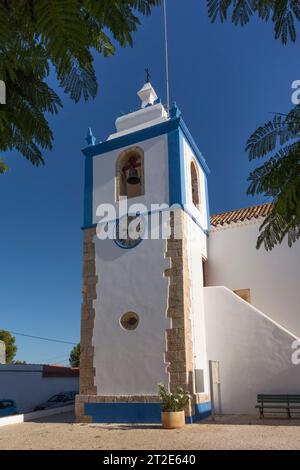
x=147, y=95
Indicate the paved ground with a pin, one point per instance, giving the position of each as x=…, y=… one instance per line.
x=59, y=432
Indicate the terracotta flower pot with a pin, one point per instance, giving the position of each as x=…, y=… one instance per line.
x=173, y=419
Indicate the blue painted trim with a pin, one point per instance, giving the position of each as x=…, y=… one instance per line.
x=132, y=138
x=88, y=193
x=207, y=204
x=176, y=129
x=182, y=170
x=175, y=164
x=202, y=411
x=194, y=146
x=137, y=242
x=137, y=412
x=185, y=209
x=123, y=412
x=145, y=134
x=85, y=227
x=119, y=245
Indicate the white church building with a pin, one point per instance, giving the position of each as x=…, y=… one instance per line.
x=200, y=308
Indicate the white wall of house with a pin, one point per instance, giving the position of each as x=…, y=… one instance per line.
x=196, y=242
x=197, y=250
x=26, y=385
x=273, y=277
x=255, y=353
x=201, y=213
x=130, y=362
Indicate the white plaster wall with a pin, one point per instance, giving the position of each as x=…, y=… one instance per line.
x=26, y=385
x=253, y=351
x=273, y=277
x=196, y=251
x=201, y=213
x=155, y=171
x=130, y=362
x=138, y=120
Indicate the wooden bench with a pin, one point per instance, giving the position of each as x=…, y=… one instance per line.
x=277, y=404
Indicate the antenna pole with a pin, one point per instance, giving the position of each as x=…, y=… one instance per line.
x=167, y=56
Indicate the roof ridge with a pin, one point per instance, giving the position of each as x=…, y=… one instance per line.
x=242, y=208
x=239, y=215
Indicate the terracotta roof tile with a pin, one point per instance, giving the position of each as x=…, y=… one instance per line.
x=240, y=215
x=60, y=371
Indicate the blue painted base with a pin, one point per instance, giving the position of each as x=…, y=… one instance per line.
x=123, y=412
x=202, y=411
x=148, y=413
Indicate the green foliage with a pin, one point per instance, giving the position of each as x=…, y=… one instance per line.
x=283, y=13
x=75, y=356
x=173, y=401
x=10, y=345
x=279, y=177
x=3, y=166
x=37, y=36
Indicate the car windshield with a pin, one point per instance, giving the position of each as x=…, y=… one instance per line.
x=56, y=398
x=5, y=404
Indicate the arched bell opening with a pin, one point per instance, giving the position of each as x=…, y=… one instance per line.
x=130, y=173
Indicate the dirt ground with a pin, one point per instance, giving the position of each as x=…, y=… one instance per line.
x=230, y=432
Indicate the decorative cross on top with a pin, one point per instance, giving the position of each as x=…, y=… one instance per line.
x=148, y=75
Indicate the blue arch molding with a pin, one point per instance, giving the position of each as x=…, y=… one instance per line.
x=140, y=413
x=176, y=130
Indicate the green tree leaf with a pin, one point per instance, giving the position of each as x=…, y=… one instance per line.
x=37, y=36
x=75, y=356
x=10, y=345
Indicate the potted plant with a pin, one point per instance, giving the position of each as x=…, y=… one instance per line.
x=173, y=404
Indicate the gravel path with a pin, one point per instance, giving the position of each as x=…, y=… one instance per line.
x=244, y=432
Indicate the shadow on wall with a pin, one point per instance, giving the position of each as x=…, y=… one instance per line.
x=254, y=352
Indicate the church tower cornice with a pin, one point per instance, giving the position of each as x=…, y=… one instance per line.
x=175, y=122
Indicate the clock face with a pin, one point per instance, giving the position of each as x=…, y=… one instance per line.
x=129, y=231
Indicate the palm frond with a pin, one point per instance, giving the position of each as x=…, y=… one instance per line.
x=266, y=137
x=218, y=9
x=275, y=228
x=283, y=13
x=79, y=82
x=242, y=12
x=28, y=149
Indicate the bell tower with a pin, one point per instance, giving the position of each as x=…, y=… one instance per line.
x=146, y=221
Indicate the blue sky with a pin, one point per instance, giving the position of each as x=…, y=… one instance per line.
x=226, y=81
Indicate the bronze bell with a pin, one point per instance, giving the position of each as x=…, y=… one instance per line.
x=133, y=176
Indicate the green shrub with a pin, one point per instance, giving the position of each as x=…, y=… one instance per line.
x=176, y=401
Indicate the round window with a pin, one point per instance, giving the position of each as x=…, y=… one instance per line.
x=129, y=321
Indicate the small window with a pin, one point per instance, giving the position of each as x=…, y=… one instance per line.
x=244, y=294
x=130, y=173
x=199, y=380
x=129, y=321
x=195, y=185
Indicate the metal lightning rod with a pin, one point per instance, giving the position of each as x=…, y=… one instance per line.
x=167, y=55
